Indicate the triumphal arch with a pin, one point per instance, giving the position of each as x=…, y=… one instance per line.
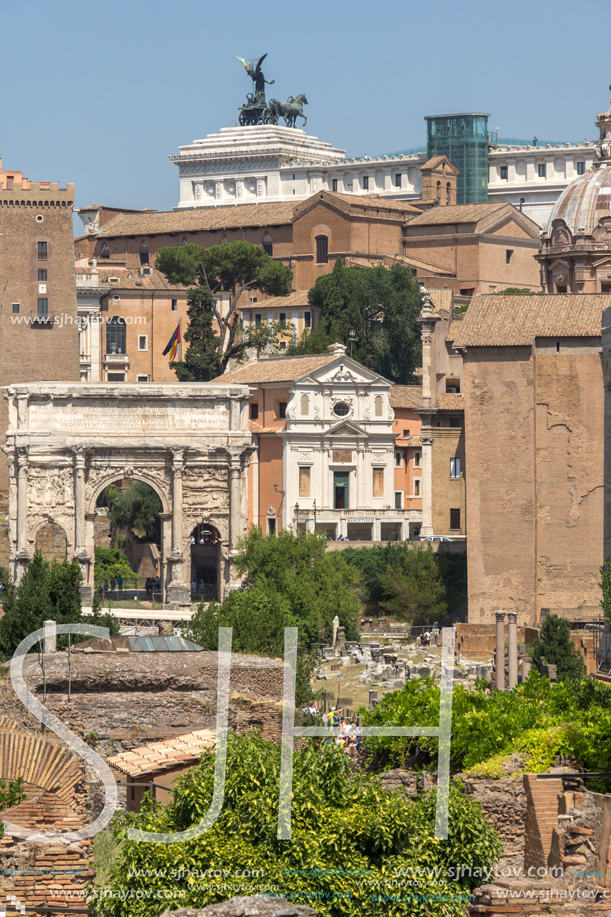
x=67, y=442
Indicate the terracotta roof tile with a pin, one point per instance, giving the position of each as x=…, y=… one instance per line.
x=405, y=396
x=442, y=299
x=130, y=280
x=456, y=213
x=161, y=755
x=282, y=369
x=375, y=201
x=511, y=321
x=202, y=218
x=388, y=261
x=292, y=301
x=451, y=402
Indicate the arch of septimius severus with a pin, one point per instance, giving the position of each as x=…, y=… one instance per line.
x=66, y=442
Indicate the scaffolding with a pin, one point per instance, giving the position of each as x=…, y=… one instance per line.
x=464, y=140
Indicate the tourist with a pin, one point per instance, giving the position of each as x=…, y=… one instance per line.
x=192, y=539
x=427, y=638
x=157, y=584
x=193, y=587
x=113, y=583
x=120, y=583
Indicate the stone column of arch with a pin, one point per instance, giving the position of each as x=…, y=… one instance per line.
x=177, y=592
x=500, y=650
x=235, y=499
x=81, y=554
x=23, y=555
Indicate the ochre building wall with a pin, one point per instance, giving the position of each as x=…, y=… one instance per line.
x=534, y=451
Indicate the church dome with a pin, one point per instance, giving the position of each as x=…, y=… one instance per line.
x=584, y=202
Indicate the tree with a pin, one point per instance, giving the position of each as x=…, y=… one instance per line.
x=46, y=592
x=380, y=307
x=605, y=586
x=135, y=508
x=202, y=360
x=231, y=268
x=110, y=563
x=555, y=647
x=350, y=838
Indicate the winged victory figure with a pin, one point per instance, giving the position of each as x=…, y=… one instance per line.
x=256, y=75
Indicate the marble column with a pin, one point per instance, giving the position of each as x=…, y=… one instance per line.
x=426, y=487
x=235, y=479
x=500, y=650
x=512, y=640
x=377, y=529
x=23, y=555
x=79, y=502
x=178, y=593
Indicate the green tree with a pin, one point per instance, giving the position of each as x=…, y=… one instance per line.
x=344, y=827
x=111, y=563
x=556, y=648
x=202, y=360
x=380, y=306
x=135, y=508
x=231, y=269
x=46, y=592
x=605, y=586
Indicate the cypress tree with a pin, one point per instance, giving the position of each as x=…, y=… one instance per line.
x=202, y=361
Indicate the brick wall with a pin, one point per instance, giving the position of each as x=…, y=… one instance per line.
x=448, y=493
x=541, y=818
x=51, y=541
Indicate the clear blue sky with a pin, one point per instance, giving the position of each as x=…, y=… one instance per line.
x=99, y=92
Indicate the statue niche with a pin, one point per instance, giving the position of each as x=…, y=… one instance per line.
x=52, y=542
x=560, y=233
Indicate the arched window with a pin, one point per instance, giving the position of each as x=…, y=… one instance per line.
x=105, y=253
x=144, y=253
x=115, y=335
x=448, y=193
x=379, y=405
x=305, y=405
x=322, y=250
x=224, y=239
x=438, y=190
x=268, y=245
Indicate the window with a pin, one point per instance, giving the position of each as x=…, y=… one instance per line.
x=398, y=180
x=417, y=459
x=322, y=250
x=115, y=335
x=282, y=409
x=455, y=468
x=15, y=308
x=508, y=254
x=105, y=251
x=378, y=482
x=307, y=319
x=144, y=253
x=282, y=317
x=448, y=192
x=542, y=169
x=42, y=251
x=334, y=185
x=341, y=409
x=42, y=276
x=43, y=308
x=398, y=458
x=561, y=288
x=455, y=520
x=305, y=405
x=174, y=305
x=142, y=378
x=268, y=245
x=115, y=377
x=304, y=481
x=453, y=386
x=405, y=433
x=254, y=411
x=282, y=345
x=378, y=406
x=504, y=173
x=271, y=526
x=398, y=499
x=467, y=291
x=581, y=168
x=455, y=422
x=258, y=319
x=142, y=342
x=341, y=489
x=604, y=288
x=365, y=183
x=417, y=487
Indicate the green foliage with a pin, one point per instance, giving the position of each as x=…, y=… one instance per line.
x=102, y=619
x=46, y=592
x=605, y=586
x=11, y=794
x=105, y=855
x=111, y=563
x=135, y=508
x=291, y=582
x=349, y=837
x=556, y=648
x=517, y=291
x=537, y=719
x=409, y=580
x=4, y=575
x=381, y=307
x=232, y=268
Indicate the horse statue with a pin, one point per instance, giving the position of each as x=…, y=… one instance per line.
x=289, y=110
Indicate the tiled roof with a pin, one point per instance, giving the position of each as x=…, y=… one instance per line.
x=442, y=299
x=255, y=428
x=405, y=396
x=129, y=280
x=159, y=756
x=451, y=402
x=456, y=213
x=389, y=260
x=282, y=369
x=292, y=301
x=375, y=201
x=510, y=321
x=237, y=217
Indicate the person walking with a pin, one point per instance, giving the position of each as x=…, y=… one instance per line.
x=120, y=583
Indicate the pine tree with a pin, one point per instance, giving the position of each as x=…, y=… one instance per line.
x=556, y=648
x=202, y=361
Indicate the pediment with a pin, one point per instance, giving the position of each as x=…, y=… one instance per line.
x=559, y=263
x=345, y=428
x=344, y=371
x=604, y=262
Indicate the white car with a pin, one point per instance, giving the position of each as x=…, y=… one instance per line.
x=436, y=538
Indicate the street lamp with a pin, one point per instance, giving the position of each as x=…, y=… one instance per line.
x=297, y=513
x=352, y=337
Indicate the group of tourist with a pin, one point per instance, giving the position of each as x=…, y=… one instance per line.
x=152, y=584
x=350, y=737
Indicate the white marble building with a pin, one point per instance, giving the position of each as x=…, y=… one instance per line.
x=268, y=163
